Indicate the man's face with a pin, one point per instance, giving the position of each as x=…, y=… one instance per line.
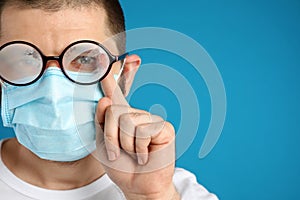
x=52, y=32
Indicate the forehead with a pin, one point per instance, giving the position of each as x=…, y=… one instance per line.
x=53, y=31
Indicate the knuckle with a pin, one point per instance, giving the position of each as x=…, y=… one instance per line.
x=129, y=119
x=125, y=119
x=109, y=138
x=112, y=109
x=109, y=111
x=156, y=118
x=134, y=116
x=140, y=148
x=127, y=145
x=126, y=125
x=112, y=113
x=141, y=132
x=169, y=129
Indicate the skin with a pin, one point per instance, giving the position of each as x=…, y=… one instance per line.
x=134, y=147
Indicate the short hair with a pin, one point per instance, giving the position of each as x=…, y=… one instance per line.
x=115, y=15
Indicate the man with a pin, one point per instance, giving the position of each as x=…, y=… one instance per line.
x=58, y=71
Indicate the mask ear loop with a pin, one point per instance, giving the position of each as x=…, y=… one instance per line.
x=121, y=70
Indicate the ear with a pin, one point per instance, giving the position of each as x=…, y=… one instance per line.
x=131, y=66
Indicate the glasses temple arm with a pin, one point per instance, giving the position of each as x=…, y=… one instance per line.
x=123, y=59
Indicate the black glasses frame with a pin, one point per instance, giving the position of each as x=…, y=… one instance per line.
x=59, y=59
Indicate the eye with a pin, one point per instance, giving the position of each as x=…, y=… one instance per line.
x=84, y=63
x=85, y=60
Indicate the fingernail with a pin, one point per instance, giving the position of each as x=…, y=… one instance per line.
x=142, y=159
x=111, y=155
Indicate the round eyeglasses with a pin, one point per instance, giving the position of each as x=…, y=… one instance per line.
x=83, y=62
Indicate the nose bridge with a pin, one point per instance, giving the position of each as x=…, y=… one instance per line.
x=52, y=61
x=54, y=93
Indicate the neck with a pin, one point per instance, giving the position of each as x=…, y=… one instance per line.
x=48, y=174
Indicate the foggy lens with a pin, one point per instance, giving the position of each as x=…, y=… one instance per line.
x=85, y=62
x=20, y=63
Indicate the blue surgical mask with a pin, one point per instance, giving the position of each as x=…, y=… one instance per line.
x=53, y=118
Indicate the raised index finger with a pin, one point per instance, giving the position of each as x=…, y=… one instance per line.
x=110, y=86
x=112, y=90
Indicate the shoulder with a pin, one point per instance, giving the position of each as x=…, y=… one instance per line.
x=188, y=187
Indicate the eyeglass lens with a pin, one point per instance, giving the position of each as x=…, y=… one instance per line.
x=20, y=63
x=85, y=62
x=82, y=62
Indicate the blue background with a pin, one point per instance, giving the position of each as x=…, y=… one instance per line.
x=256, y=46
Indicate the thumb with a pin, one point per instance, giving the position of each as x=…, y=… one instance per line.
x=103, y=104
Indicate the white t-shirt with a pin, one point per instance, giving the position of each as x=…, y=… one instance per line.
x=13, y=188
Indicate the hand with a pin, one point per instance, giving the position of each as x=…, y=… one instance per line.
x=136, y=148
